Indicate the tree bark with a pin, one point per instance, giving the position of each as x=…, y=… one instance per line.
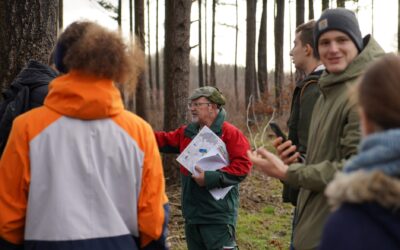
x=235, y=77
x=262, y=51
x=150, y=71
x=205, y=45
x=28, y=31
x=176, y=71
x=201, y=80
x=310, y=9
x=250, y=51
x=158, y=85
x=60, y=16
x=299, y=12
x=213, y=80
x=279, y=31
x=325, y=4
x=141, y=92
x=340, y=3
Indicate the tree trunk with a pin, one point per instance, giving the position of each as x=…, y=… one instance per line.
x=235, y=77
x=141, y=93
x=340, y=3
x=28, y=31
x=201, y=80
x=119, y=16
x=250, y=50
x=150, y=71
x=158, y=85
x=310, y=9
x=213, y=80
x=279, y=31
x=176, y=71
x=205, y=45
x=299, y=12
x=398, y=26
x=325, y=4
x=60, y=16
x=262, y=51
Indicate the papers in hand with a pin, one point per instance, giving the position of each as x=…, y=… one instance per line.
x=208, y=152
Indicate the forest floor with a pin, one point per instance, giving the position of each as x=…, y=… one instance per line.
x=264, y=222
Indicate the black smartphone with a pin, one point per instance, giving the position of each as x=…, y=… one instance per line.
x=278, y=131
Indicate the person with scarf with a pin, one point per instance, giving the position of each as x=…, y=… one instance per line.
x=366, y=196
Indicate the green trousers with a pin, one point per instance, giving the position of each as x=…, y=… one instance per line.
x=210, y=236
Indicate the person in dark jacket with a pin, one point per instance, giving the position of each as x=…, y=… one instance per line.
x=366, y=197
x=334, y=128
x=304, y=97
x=35, y=77
x=209, y=223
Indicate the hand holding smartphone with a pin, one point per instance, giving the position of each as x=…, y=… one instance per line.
x=277, y=131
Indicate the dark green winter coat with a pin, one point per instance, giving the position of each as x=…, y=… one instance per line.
x=333, y=137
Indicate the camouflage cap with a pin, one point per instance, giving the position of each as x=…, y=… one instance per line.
x=211, y=93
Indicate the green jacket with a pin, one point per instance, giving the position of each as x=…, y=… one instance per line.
x=305, y=95
x=333, y=137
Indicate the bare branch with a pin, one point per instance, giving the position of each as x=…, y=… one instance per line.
x=228, y=25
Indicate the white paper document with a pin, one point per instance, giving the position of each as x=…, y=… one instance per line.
x=207, y=151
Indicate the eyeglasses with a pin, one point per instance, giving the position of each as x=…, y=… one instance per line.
x=197, y=104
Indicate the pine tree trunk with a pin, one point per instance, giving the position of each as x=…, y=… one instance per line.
x=60, y=16
x=141, y=92
x=28, y=31
x=299, y=12
x=325, y=4
x=340, y=3
x=176, y=72
x=158, y=85
x=201, y=80
x=205, y=46
x=310, y=9
x=236, y=53
x=279, y=31
x=250, y=51
x=262, y=51
x=150, y=71
x=212, y=67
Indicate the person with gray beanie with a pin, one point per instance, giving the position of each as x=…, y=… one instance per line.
x=334, y=131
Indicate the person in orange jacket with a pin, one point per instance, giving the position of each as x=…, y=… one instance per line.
x=81, y=172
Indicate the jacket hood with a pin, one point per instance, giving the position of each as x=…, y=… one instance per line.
x=35, y=72
x=83, y=96
x=371, y=51
x=362, y=186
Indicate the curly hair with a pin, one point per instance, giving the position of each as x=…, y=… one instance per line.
x=88, y=47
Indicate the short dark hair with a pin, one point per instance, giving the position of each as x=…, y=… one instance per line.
x=307, y=34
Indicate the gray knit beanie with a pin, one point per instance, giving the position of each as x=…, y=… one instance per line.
x=340, y=19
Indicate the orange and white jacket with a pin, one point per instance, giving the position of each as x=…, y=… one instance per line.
x=81, y=172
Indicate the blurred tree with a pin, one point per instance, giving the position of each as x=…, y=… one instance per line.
x=201, y=79
x=279, y=31
x=310, y=9
x=213, y=80
x=299, y=12
x=235, y=76
x=28, y=31
x=60, y=16
x=340, y=3
x=141, y=92
x=262, y=51
x=176, y=72
x=158, y=85
x=205, y=45
x=150, y=71
x=325, y=4
x=250, y=74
